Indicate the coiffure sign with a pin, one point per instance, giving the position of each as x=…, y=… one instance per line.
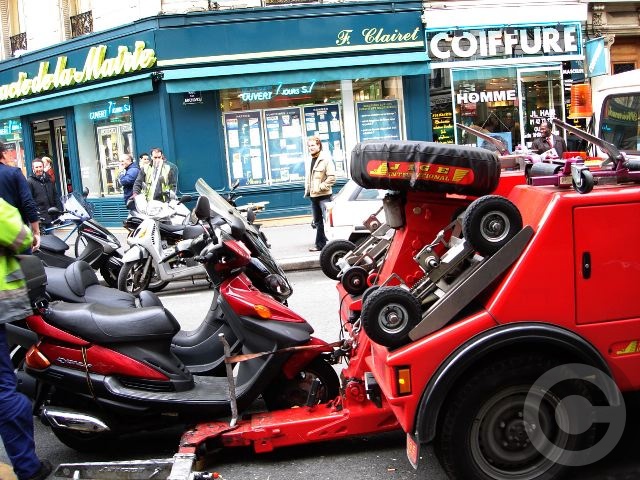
x=521, y=41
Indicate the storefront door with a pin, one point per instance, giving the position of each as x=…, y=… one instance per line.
x=541, y=97
x=50, y=136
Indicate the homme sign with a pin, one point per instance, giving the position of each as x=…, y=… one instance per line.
x=524, y=41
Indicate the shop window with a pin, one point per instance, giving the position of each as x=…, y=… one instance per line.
x=486, y=99
x=104, y=133
x=620, y=124
x=266, y=127
x=13, y=146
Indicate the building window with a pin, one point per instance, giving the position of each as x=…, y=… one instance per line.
x=104, y=132
x=266, y=127
x=487, y=99
x=81, y=24
x=12, y=144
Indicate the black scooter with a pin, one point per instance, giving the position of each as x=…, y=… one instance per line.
x=94, y=243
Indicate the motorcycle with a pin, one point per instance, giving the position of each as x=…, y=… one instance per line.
x=94, y=243
x=107, y=371
x=170, y=219
x=149, y=259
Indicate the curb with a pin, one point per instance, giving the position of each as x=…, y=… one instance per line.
x=300, y=263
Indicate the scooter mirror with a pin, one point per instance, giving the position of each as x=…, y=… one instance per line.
x=203, y=208
x=235, y=184
x=251, y=215
x=85, y=192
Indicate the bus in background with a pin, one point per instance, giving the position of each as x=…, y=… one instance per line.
x=616, y=107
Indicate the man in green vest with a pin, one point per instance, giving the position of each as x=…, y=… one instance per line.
x=157, y=180
x=16, y=418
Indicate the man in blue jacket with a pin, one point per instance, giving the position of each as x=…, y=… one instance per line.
x=128, y=175
x=15, y=191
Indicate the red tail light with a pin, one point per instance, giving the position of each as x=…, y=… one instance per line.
x=330, y=214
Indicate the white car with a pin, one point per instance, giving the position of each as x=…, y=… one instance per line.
x=349, y=209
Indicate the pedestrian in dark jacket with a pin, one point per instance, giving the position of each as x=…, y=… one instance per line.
x=127, y=176
x=43, y=191
x=15, y=191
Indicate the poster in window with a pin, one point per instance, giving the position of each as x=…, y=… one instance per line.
x=285, y=144
x=245, y=148
x=324, y=121
x=378, y=120
x=109, y=148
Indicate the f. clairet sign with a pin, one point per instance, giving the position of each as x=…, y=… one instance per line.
x=97, y=66
x=455, y=45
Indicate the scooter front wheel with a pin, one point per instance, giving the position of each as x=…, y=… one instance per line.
x=132, y=277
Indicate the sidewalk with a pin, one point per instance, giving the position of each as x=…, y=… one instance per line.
x=290, y=239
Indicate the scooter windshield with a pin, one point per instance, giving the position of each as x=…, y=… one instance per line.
x=75, y=207
x=219, y=204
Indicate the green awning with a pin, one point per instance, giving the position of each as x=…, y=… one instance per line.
x=78, y=96
x=296, y=71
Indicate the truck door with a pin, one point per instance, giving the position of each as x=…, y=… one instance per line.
x=607, y=262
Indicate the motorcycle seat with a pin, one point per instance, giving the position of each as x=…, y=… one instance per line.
x=53, y=244
x=105, y=325
x=78, y=283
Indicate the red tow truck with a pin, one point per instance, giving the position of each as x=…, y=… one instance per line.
x=507, y=340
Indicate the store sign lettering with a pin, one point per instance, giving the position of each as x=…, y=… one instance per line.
x=378, y=36
x=491, y=43
x=280, y=91
x=96, y=67
x=112, y=109
x=489, y=96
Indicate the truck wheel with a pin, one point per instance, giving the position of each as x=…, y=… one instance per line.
x=490, y=222
x=485, y=434
x=354, y=280
x=389, y=314
x=285, y=393
x=331, y=253
x=585, y=185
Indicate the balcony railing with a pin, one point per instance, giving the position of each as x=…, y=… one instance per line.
x=18, y=43
x=81, y=24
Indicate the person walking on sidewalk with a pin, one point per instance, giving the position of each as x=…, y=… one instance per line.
x=16, y=416
x=318, y=186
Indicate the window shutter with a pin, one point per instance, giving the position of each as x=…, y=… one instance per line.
x=5, y=34
x=65, y=14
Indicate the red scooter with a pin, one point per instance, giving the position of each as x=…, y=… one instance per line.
x=109, y=371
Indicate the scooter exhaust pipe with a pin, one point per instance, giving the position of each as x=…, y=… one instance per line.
x=61, y=417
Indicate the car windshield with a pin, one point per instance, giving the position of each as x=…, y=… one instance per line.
x=218, y=204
